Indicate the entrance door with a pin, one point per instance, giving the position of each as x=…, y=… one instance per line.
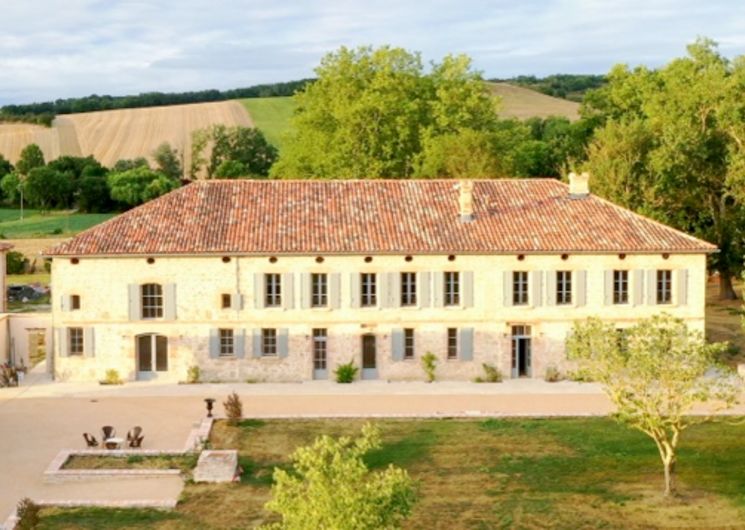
x=319, y=354
x=152, y=356
x=369, y=357
x=521, y=351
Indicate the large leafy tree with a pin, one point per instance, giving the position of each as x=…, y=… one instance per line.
x=5, y=166
x=219, y=151
x=139, y=185
x=673, y=146
x=329, y=486
x=31, y=157
x=371, y=112
x=655, y=373
x=168, y=161
x=46, y=188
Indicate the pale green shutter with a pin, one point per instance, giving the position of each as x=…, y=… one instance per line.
x=536, y=288
x=682, y=298
x=239, y=343
x=397, y=344
x=551, y=287
x=334, y=290
x=423, y=289
x=256, y=342
x=214, y=343
x=135, y=313
x=581, y=283
x=465, y=341
x=439, y=288
x=282, y=342
x=89, y=342
x=354, y=289
x=287, y=291
x=258, y=290
x=608, y=291
x=169, y=309
x=652, y=287
x=467, y=288
x=507, y=287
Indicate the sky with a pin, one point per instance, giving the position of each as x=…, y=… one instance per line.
x=68, y=48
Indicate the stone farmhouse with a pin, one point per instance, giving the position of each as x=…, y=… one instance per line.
x=285, y=280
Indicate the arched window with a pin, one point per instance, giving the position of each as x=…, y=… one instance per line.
x=151, y=296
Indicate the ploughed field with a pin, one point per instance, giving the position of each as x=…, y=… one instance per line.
x=496, y=473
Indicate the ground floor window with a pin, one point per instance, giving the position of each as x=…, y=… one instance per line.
x=452, y=343
x=268, y=342
x=408, y=343
x=319, y=349
x=227, y=343
x=75, y=341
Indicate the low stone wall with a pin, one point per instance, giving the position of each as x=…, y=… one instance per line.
x=55, y=472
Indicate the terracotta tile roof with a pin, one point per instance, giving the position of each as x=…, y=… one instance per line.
x=375, y=216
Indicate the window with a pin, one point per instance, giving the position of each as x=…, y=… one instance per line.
x=664, y=287
x=367, y=287
x=225, y=301
x=273, y=290
x=408, y=343
x=268, y=342
x=319, y=290
x=408, y=288
x=152, y=300
x=563, y=287
x=452, y=288
x=75, y=302
x=227, y=343
x=620, y=287
x=319, y=349
x=520, y=288
x=452, y=343
x=75, y=341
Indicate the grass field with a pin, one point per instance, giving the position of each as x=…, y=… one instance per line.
x=36, y=224
x=520, y=102
x=532, y=473
x=271, y=115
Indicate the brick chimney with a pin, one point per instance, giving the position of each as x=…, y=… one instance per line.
x=579, y=185
x=465, y=200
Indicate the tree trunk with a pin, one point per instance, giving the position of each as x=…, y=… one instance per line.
x=669, y=464
x=726, y=289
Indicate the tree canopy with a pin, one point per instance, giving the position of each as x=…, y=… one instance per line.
x=220, y=151
x=138, y=185
x=31, y=157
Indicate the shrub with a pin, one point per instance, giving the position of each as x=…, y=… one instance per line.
x=346, y=373
x=8, y=375
x=15, y=262
x=193, y=374
x=28, y=514
x=112, y=378
x=233, y=409
x=492, y=374
x=580, y=375
x=552, y=374
x=429, y=365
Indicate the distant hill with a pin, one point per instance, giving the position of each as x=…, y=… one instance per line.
x=566, y=86
x=522, y=103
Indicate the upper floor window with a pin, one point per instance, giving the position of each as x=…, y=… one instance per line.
x=368, y=297
x=152, y=300
x=272, y=290
x=664, y=287
x=519, y=288
x=319, y=290
x=75, y=302
x=225, y=301
x=563, y=287
x=452, y=288
x=408, y=288
x=227, y=342
x=452, y=343
x=75, y=341
x=408, y=343
x=620, y=287
x=268, y=342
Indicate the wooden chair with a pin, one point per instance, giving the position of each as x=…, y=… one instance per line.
x=90, y=440
x=134, y=433
x=108, y=432
x=136, y=443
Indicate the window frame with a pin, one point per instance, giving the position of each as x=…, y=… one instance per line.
x=226, y=301
x=451, y=289
x=74, y=302
x=269, y=342
x=226, y=336
x=564, y=288
x=75, y=341
x=319, y=289
x=320, y=348
x=152, y=304
x=452, y=343
x=409, y=344
x=620, y=287
x=368, y=289
x=520, y=288
x=664, y=287
x=272, y=289
x=408, y=289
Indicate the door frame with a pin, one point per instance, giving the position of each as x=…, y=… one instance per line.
x=369, y=340
x=521, y=335
x=154, y=373
x=320, y=373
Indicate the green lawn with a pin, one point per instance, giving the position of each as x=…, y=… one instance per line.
x=271, y=115
x=38, y=224
x=515, y=473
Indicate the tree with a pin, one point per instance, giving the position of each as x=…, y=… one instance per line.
x=139, y=185
x=168, y=161
x=127, y=164
x=45, y=188
x=244, y=145
x=94, y=195
x=11, y=186
x=678, y=136
x=329, y=486
x=463, y=154
x=655, y=373
x=371, y=111
x=5, y=166
x=31, y=157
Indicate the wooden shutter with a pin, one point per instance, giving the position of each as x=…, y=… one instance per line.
x=256, y=342
x=424, y=289
x=135, y=313
x=608, y=291
x=214, y=343
x=682, y=287
x=169, y=301
x=637, y=294
x=239, y=343
x=581, y=287
x=65, y=303
x=282, y=342
x=397, y=344
x=507, y=288
x=439, y=288
x=551, y=280
x=354, y=289
x=652, y=287
x=236, y=302
x=89, y=342
x=62, y=342
x=305, y=290
x=467, y=287
x=465, y=342
x=536, y=288
x=394, y=289
x=258, y=290
x=288, y=291
x=334, y=290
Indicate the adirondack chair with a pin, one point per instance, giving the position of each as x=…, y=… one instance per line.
x=136, y=443
x=90, y=440
x=108, y=432
x=134, y=433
